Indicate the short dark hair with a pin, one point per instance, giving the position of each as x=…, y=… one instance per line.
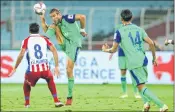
x=34, y=28
x=126, y=15
x=54, y=10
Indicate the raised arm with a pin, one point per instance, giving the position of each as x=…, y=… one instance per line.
x=43, y=22
x=82, y=19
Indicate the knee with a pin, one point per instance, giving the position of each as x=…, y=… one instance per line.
x=69, y=70
x=140, y=87
x=123, y=72
x=50, y=77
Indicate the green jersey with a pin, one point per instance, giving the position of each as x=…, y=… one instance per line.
x=70, y=29
x=120, y=50
x=131, y=40
x=119, y=26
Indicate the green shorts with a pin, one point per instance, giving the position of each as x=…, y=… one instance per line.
x=70, y=49
x=139, y=75
x=122, y=62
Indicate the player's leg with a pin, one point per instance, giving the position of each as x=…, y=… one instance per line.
x=72, y=52
x=135, y=80
x=136, y=92
x=149, y=95
x=26, y=89
x=122, y=66
x=30, y=80
x=139, y=76
x=123, y=83
x=69, y=69
x=47, y=75
x=52, y=32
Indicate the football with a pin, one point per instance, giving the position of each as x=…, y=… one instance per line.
x=39, y=8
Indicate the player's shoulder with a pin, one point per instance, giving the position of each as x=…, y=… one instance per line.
x=136, y=26
x=44, y=36
x=118, y=26
x=70, y=18
x=26, y=39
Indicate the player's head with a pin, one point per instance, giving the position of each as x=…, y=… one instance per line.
x=126, y=15
x=34, y=28
x=55, y=14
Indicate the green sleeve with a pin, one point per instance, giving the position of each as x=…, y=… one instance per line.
x=50, y=32
x=118, y=27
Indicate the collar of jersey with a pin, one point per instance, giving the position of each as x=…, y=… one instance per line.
x=63, y=16
x=128, y=24
x=34, y=35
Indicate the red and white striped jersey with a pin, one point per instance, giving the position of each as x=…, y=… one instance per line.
x=36, y=47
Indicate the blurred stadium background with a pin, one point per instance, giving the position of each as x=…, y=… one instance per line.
x=156, y=17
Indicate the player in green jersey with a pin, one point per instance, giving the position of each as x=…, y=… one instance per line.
x=131, y=39
x=123, y=68
x=69, y=37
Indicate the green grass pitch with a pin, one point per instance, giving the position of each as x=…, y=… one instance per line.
x=86, y=98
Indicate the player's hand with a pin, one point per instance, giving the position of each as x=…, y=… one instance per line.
x=56, y=72
x=155, y=62
x=110, y=56
x=12, y=72
x=43, y=14
x=104, y=47
x=84, y=34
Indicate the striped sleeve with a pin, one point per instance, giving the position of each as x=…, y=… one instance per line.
x=49, y=43
x=24, y=43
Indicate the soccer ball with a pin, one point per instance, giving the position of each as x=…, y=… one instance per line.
x=39, y=8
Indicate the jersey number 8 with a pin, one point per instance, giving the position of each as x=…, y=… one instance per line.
x=38, y=53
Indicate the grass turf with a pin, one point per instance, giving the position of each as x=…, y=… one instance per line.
x=86, y=98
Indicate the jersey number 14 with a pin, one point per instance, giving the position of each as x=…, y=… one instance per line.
x=136, y=42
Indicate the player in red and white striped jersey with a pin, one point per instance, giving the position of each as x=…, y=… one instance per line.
x=36, y=47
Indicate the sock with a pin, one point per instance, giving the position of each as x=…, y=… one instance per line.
x=123, y=82
x=27, y=90
x=70, y=86
x=145, y=99
x=148, y=94
x=52, y=88
x=135, y=89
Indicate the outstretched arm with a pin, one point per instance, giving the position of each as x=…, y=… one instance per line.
x=43, y=22
x=113, y=49
x=117, y=40
x=82, y=19
x=20, y=57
